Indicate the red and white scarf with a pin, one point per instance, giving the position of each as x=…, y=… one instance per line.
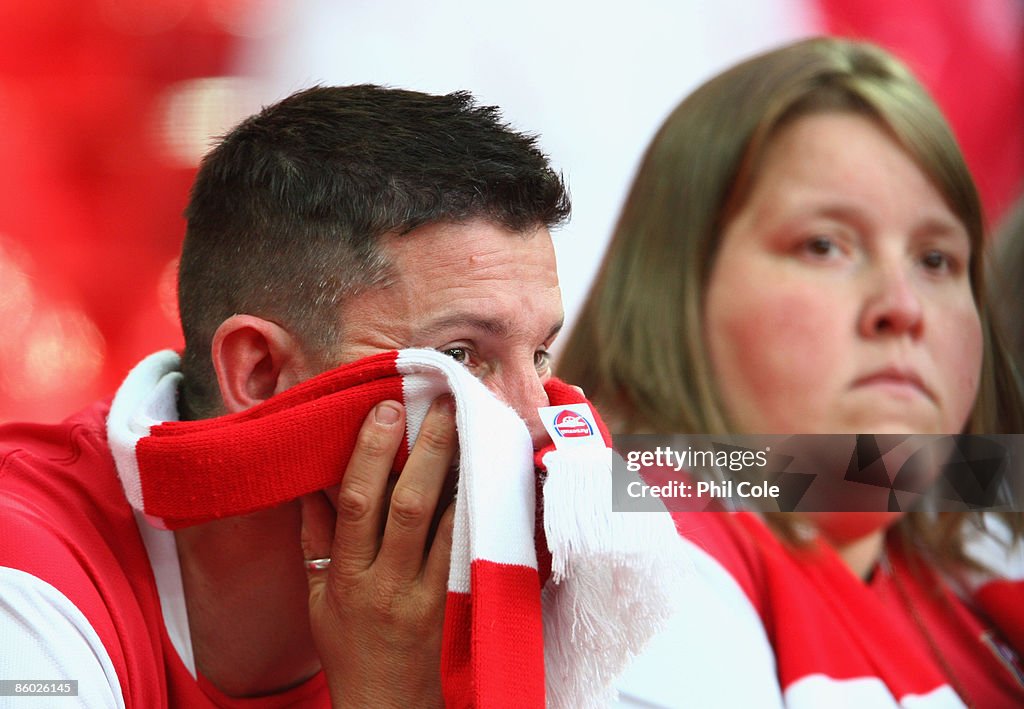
x=611, y=577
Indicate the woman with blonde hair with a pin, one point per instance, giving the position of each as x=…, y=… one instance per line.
x=801, y=252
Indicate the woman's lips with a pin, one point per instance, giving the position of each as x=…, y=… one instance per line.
x=900, y=382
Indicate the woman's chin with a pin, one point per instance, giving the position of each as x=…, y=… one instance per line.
x=841, y=528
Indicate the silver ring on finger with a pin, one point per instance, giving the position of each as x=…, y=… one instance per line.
x=317, y=564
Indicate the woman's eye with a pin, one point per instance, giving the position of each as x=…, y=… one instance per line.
x=820, y=246
x=459, y=354
x=937, y=261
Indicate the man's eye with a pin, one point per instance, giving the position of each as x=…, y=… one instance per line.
x=542, y=360
x=459, y=354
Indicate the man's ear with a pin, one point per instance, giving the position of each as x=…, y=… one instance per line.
x=255, y=359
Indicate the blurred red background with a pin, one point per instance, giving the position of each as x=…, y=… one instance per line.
x=106, y=106
x=97, y=98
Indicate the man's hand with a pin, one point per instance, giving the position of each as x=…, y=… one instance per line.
x=377, y=611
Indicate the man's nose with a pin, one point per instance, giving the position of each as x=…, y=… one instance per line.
x=892, y=305
x=523, y=390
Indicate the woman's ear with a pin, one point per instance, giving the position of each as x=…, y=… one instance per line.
x=255, y=359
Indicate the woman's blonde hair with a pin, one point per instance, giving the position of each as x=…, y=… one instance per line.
x=638, y=347
x=1007, y=279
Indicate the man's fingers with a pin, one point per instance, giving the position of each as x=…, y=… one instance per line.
x=375, y=604
x=415, y=499
x=362, y=492
x=316, y=536
x=435, y=574
x=317, y=526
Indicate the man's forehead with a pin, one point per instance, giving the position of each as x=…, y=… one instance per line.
x=496, y=326
x=453, y=256
x=452, y=281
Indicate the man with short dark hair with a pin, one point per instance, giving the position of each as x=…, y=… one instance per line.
x=336, y=224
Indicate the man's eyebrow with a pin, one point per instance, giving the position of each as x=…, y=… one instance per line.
x=556, y=329
x=497, y=328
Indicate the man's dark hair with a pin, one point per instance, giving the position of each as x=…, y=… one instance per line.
x=287, y=210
